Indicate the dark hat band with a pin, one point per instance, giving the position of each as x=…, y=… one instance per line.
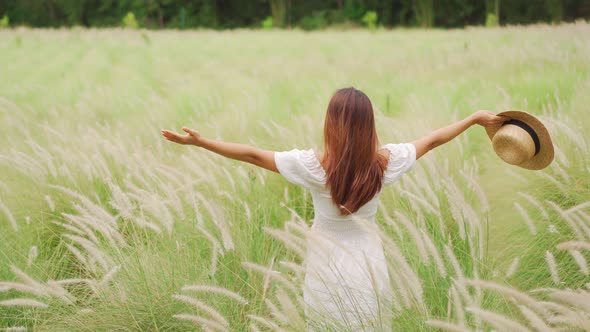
x=529, y=130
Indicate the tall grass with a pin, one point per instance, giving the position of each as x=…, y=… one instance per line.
x=106, y=226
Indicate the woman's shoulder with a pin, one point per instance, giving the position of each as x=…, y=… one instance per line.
x=401, y=158
x=302, y=167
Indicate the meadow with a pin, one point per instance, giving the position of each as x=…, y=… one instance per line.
x=106, y=226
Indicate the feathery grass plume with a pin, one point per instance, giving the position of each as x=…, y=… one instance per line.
x=50, y=203
x=535, y=203
x=476, y=188
x=109, y=276
x=230, y=179
x=552, y=267
x=457, y=305
x=446, y=326
x=174, y=201
x=120, y=201
x=15, y=329
x=416, y=237
x=510, y=292
x=220, y=222
x=276, y=312
x=560, y=171
x=582, y=222
x=497, y=321
x=28, y=280
x=247, y=211
x=579, y=207
x=290, y=308
x=142, y=222
x=214, y=242
x=574, y=227
x=78, y=254
x=96, y=209
x=33, y=253
x=58, y=291
x=263, y=321
x=535, y=320
x=390, y=221
x=201, y=321
x=92, y=250
x=456, y=207
x=573, y=245
x=216, y=315
x=581, y=261
x=276, y=275
x=291, y=241
x=454, y=262
x=9, y=216
x=422, y=202
x=526, y=218
x=215, y=290
x=23, y=303
x=214, y=257
x=294, y=267
x=254, y=327
x=86, y=311
x=69, y=227
x=399, y=266
x=512, y=268
x=579, y=299
x=266, y=280
x=81, y=223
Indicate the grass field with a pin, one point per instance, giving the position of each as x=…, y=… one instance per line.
x=105, y=226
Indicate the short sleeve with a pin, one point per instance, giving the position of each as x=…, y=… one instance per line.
x=300, y=167
x=401, y=159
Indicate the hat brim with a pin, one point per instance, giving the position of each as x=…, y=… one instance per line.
x=546, y=152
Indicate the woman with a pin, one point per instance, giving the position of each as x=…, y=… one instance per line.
x=346, y=280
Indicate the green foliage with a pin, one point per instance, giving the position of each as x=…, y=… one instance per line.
x=5, y=22
x=370, y=20
x=316, y=21
x=555, y=10
x=129, y=21
x=491, y=20
x=424, y=11
x=267, y=23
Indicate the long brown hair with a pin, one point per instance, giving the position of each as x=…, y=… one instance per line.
x=354, y=168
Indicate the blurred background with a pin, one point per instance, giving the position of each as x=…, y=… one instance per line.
x=304, y=14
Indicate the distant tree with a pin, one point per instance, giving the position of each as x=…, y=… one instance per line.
x=278, y=8
x=424, y=11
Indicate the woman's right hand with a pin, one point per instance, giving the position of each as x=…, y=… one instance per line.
x=487, y=118
x=192, y=137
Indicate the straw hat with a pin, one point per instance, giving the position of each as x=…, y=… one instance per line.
x=522, y=141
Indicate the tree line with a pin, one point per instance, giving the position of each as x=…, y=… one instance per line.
x=306, y=14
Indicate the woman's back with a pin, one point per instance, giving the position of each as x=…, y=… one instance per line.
x=303, y=168
x=346, y=269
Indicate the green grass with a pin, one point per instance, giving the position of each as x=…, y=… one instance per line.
x=93, y=101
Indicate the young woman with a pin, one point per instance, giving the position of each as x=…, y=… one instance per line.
x=346, y=274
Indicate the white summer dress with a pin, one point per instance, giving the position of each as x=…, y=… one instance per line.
x=346, y=282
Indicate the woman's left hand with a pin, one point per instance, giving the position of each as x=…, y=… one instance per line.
x=487, y=118
x=192, y=137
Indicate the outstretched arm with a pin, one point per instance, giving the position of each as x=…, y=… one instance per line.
x=445, y=134
x=241, y=152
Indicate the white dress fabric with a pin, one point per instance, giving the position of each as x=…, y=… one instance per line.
x=347, y=285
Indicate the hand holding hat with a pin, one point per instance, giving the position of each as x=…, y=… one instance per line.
x=522, y=140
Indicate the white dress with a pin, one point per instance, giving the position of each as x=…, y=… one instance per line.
x=346, y=283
